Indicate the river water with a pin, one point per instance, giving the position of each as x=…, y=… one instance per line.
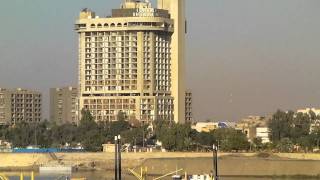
x=101, y=176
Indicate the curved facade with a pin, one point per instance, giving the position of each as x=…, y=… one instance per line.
x=125, y=63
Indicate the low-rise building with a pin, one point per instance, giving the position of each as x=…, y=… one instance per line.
x=209, y=126
x=5, y=146
x=308, y=110
x=109, y=148
x=316, y=123
x=250, y=124
x=263, y=133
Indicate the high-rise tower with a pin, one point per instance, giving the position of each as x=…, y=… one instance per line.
x=133, y=63
x=176, y=9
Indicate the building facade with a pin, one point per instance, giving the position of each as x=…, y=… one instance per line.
x=188, y=106
x=309, y=110
x=263, y=133
x=210, y=126
x=132, y=62
x=64, y=105
x=20, y=105
x=253, y=127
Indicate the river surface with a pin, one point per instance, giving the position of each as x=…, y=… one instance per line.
x=109, y=176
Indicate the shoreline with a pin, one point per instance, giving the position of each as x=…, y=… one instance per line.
x=231, y=164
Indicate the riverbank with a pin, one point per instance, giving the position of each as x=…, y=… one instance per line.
x=230, y=164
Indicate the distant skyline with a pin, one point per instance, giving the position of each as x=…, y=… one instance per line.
x=244, y=57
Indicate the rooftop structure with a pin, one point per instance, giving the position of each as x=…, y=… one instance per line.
x=133, y=62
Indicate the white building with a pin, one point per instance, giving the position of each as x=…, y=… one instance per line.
x=263, y=133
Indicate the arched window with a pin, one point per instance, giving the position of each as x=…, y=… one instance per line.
x=112, y=25
x=119, y=25
x=99, y=26
x=106, y=25
x=93, y=26
x=125, y=24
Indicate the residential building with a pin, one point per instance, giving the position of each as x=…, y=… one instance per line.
x=133, y=62
x=188, y=106
x=210, y=126
x=263, y=133
x=308, y=110
x=249, y=125
x=19, y=105
x=315, y=125
x=64, y=105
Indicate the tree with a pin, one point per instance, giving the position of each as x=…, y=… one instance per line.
x=300, y=127
x=206, y=138
x=66, y=133
x=174, y=137
x=293, y=127
x=285, y=145
x=89, y=133
x=257, y=142
x=135, y=136
x=230, y=139
x=280, y=125
x=122, y=116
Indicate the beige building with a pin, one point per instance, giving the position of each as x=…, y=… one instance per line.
x=64, y=105
x=205, y=126
x=19, y=105
x=250, y=124
x=211, y=126
x=133, y=62
x=316, y=123
x=308, y=110
x=188, y=106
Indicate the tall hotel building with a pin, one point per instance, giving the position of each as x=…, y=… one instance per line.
x=133, y=62
x=19, y=105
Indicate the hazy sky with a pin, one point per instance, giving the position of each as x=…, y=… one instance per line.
x=243, y=57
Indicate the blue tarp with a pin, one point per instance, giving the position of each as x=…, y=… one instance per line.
x=44, y=150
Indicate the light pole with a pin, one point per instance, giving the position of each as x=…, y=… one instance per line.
x=116, y=158
x=215, y=161
x=119, y=157
x=117, y=172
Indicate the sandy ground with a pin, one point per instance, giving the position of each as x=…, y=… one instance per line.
x=230, y=164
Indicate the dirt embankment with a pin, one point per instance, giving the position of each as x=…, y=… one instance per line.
x=159, y=163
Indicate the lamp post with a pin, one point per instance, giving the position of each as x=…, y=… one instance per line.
x=117, y=171
x=215, y=161
x=119, y=157
x=116, y=158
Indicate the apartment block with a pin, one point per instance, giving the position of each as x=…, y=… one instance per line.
x=20, y=105
x=64, y=105
x=133, y=62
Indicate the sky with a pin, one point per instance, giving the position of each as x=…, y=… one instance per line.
x=248, y=57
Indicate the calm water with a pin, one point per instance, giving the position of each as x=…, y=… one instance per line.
x=101, y=176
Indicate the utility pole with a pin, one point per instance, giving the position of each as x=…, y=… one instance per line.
x=215, y=162
x=117, y=159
